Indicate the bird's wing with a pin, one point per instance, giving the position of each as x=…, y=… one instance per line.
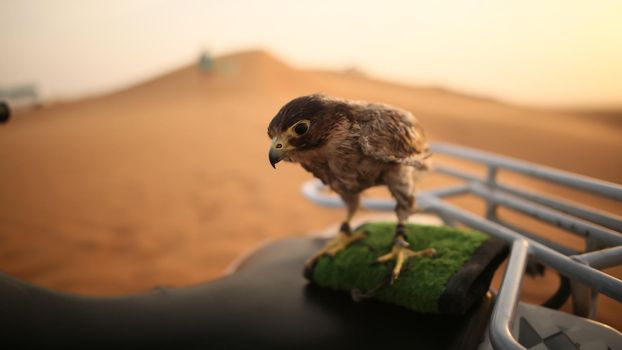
x=393, y=136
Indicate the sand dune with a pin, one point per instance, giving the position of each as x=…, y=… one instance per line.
x=165, y=183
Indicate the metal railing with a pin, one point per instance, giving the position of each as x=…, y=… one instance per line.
x=601, y=231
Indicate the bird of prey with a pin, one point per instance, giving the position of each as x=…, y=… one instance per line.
x=351, y=146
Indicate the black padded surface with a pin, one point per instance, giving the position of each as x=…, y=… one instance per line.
x=472, y=280
x=267, y=304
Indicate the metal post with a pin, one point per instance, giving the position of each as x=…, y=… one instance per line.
x=507, y=299
x=491, y=179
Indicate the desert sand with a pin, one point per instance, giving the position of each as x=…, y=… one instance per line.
x=167, y=182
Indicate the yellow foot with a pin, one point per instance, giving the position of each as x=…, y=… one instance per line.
x=334, y=246
x=401, y=253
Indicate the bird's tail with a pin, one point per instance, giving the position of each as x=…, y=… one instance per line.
x=422, y=165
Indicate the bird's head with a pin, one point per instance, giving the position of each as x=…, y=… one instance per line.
x=302, y=124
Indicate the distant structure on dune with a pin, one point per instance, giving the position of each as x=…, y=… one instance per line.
x=206, y=62
x=355, y=71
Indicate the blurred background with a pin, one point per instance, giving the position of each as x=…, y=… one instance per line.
x=137, y=153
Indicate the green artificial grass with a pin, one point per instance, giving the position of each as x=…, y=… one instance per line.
x=423, y=279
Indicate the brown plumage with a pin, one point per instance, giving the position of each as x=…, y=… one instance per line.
x=351, y=146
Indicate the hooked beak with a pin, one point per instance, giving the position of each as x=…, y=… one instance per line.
x=277, y=151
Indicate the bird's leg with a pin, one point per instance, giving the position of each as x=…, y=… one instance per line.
x=343, y=239
x=403, y=191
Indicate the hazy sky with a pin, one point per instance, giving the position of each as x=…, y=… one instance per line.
x=533, y=52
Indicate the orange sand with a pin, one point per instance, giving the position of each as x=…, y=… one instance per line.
x=168, y=182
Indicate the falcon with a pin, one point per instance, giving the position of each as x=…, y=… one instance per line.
x=351, y=146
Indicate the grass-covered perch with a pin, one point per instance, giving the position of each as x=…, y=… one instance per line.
x=424, y=279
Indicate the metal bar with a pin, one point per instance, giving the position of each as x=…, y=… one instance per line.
x=503, y=314
x=312, y=190
x=553, y=245
x=551, y=216
x=464, y=175
x=447, y=191
x=584, y=228
x=611, y=221
x=584, y=183
x=602, y=259
x=600, y=281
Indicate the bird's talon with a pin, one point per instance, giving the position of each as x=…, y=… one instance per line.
x=401, y=253
x=332, y=247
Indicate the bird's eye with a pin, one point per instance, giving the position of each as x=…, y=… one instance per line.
x=301, y=129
